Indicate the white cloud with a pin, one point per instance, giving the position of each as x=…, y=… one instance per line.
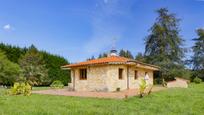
x=7, y=27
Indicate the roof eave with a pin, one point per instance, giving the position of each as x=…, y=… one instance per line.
x=156, y=68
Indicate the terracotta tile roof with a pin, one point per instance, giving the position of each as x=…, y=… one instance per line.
x=110, y=60
x=105, y=60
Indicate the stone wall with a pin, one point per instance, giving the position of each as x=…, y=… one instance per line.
x=96, y=79
x=134, y=83
x=105, y=78
x=113, y=78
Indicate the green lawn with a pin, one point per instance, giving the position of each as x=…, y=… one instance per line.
x=40, y=88
x=172, y=101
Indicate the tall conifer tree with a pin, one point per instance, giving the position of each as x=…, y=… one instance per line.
x=164, y=45
x=198, y=57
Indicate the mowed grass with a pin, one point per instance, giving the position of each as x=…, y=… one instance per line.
x=40, y=88
x=175, y=101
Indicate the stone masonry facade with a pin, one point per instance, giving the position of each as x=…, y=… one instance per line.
x=105, y=78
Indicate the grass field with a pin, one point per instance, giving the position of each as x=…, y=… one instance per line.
x=171, y=102
x=40, y=88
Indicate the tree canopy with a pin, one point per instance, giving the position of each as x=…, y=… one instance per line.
x=33, y=67
x=9, y=71
x=32, y=56
x=164, y=45
x=198, y=57
x=122, y=53
x=126, y=54
x=140, y=57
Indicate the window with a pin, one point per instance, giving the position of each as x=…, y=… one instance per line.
x=83, y=74
x=120, y=73
x=146, y=77
x=136, y=74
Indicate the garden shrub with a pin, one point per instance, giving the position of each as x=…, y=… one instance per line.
x=142, y=87
x=197, y=80
x=57, y=84
x=21, y=88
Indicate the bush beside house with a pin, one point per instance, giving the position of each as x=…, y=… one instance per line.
x=57, y=84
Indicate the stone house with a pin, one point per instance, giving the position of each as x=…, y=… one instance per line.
x=109, y=74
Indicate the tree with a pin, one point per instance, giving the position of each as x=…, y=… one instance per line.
x=92, y=58
x=53, y=64
x=129, y=54
x=105, y=55
x=33, y=67
x=164, y=44
x=13, y=53
x=140, y=57
x=9, y=71
x=102, y=55
x=126, y=54
x=198, y=57
x=122, y=53
x=99, y=56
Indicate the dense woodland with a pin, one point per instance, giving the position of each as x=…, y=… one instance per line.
x=164, y=47
x=30, y=64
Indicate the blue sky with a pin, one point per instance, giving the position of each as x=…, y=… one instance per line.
x=78, y=29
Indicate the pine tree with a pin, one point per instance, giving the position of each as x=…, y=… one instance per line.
x=102, y=55
x=53, y=64
x=164, y=44
x=125, y=53
x=13, y=53
x=129, y=54
x=198, y=57
x=122, y=53
x=140, y=57
x=105, y=55
x=99, y=56
x=92, y=58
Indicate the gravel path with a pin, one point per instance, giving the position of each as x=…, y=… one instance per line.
x=117, y=95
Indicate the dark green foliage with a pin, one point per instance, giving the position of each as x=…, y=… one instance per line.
x=57, y=84
x=198, y=57
x=197, y=80
x=125, y=53
x=21, y=89
x=53, y=64
x=122, y=53
x=140, y=57
x=9, y=71
x=103, y=55
x=92, y=58
x=164, y=45
x=13, y=53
